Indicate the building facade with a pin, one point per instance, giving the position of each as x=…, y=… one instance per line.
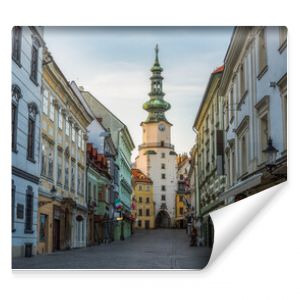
x=209, y=156
x=124, y=145
x=62, y=213
x=145, y=205
x=183, y=194
x=27, y=56
x=157, y=158
x=98, y=197
x=254, y=94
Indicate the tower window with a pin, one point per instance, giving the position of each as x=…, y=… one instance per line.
x=163, y=187
x=163, y=166
x=163, y=197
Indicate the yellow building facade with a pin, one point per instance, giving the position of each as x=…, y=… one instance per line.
x=145, y=205
x=62, y=209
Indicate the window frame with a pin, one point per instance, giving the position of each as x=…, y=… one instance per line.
x=17, y=44
x=28, y=223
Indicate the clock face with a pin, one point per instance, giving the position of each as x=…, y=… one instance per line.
x=161, y=127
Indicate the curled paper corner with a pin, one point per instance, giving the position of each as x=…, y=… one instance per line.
x=230, y=221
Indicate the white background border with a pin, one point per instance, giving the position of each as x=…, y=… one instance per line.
x=262, y=262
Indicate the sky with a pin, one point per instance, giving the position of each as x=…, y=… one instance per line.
x=113, y=63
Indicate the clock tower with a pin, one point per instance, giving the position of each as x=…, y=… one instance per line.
x=157, y=156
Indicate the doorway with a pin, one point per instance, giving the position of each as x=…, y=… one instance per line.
x=56, y=235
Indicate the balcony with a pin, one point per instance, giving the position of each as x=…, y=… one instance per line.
x=156, y=145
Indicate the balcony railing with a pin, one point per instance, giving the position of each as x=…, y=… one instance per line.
x=156, y=145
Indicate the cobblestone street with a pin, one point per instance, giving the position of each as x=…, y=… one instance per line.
x=146, y=249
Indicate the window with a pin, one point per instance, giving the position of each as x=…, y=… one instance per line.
x=67, y=127
x=29, y=210
x=231, y=103
x=244, y=156
x=163, y=155
x=181, y=176
x=140, y=223
x=163, y=187
x=163, y=166
x=181, y=211
x=16, y=44
x=30, y=139
x=43, y=227
x=66, y=172
x=34, y=62
x=60, y=119
x=45, y=102
x=14, y=124
x=233, y=166
x=163, y=176
x=242, y=81
x=148, y=188
x=13, y=203
x=51, y=113
x=50, y=160
x=73, y=133
x=73, y=176
x=32, y=112
x=282, y=37
x=16, y=96
x=140, y=187
x=94, y=193
x=59, y=167
x=147, y=212
x=79, y=140
x=140, y=212
x=264, y=134
x=262, y=53
x=140, y=199
x=147, y=200
x=163, y=197
x=283, y=93
x=44, y=160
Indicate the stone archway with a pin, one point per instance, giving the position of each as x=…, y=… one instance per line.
x=163, y=220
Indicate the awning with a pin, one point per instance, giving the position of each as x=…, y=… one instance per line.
x=242, y=186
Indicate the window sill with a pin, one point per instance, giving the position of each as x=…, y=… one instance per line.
x=31, y=159
x=242, y=101
x=34, y=81
x=28, y=231
x=262, y=72
x=282, y=47
x=18, y=62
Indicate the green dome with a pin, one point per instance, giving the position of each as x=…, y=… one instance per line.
x=156, y=105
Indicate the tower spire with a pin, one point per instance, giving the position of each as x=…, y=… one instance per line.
x=156, y=106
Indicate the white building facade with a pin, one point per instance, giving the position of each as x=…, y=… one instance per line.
x=157, y=156
x=253, y=91
x=27, y=48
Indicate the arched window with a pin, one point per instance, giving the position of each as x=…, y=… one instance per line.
x=29, y=210
x=16, y=95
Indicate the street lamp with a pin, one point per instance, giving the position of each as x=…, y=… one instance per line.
x=271, y=152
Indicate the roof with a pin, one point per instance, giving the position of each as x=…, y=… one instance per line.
x=215, y=73
x=218, y=70
x=139, y=176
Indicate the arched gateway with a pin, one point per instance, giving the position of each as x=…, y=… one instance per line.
x=163, y=220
